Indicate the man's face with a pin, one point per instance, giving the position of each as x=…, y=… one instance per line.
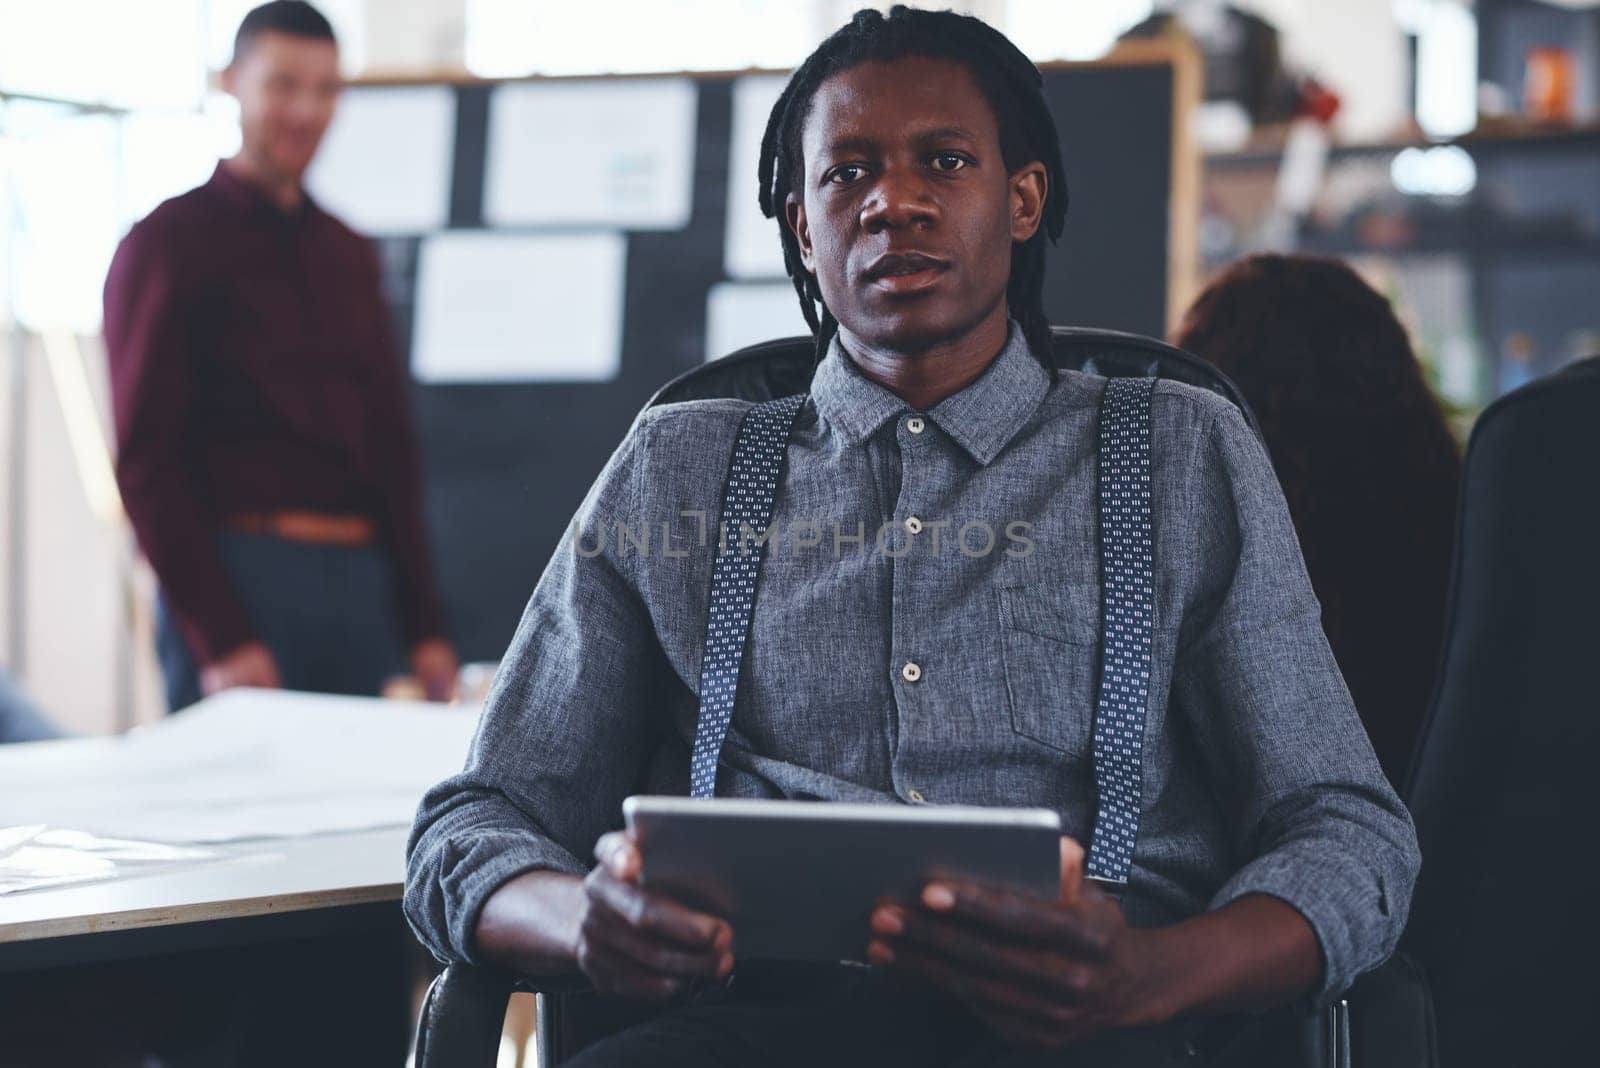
x=286, y=87
x=907, y=213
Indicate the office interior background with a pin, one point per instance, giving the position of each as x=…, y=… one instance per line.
x=1434, y=162
x=1449, y=150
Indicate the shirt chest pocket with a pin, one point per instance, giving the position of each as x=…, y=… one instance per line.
x=1050, y=645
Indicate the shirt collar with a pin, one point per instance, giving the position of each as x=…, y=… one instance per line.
x=982, y=418
x=243, y=194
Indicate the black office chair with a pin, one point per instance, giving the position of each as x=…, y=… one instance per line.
x=462, y=1016
x=1506, y=916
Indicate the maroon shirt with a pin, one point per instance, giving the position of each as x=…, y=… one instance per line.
x=253, y=369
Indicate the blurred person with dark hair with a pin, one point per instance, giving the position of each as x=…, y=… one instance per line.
x=1367, y=462
x=265, y=448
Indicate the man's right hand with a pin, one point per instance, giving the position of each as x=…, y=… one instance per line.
x=249, y=665
x=640, y=943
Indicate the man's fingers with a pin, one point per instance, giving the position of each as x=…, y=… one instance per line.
x=984, y=993
x=656, y=956
x=975, y=951
x=1071, y=870
x=614, y=972
x=1082, y=928
x=618, y=855
x=657, y=916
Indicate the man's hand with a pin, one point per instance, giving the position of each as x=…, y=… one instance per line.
x=249, y=665
x=638, y=942
x=434, y=663
x=1041, y=973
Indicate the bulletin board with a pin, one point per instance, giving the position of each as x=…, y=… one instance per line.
x=555, y=249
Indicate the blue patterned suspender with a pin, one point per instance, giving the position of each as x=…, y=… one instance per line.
x=1127, y=604
x=1127, y=614
x=747, y=501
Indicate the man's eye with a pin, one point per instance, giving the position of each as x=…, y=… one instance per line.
x=948, y=161
x=846, y=174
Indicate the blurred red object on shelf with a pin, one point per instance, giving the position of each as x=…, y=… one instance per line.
x=1547, y=85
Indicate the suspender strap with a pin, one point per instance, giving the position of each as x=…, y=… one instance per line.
x=747, y=501
x=1127, y=610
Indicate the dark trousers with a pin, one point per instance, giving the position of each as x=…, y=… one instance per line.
x=836, y=1016
x=327, y=612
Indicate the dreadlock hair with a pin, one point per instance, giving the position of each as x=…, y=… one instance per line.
x=1015, y=93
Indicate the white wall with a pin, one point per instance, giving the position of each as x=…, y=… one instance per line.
x=1353, y=46
x=88, y=658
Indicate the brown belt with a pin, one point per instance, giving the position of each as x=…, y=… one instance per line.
x=314, y=527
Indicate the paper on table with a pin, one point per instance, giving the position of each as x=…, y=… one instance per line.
x=384, y=166
x=751, y=248
x=36, y=856
x=591, y=153
x=245, y=764
x=519, y=307
x=740, y=314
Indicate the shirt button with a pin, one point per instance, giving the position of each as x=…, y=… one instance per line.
x=911, y=672
x=913, y=524
x=915, y=424
x=914, y=797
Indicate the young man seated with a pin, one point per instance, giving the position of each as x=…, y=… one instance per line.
x=926, y=631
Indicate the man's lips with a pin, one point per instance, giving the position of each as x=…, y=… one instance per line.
x=904, y=272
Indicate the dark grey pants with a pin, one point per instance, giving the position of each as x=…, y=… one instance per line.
x=327, y=612
x=840, y=1017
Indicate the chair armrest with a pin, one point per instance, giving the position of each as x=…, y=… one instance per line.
x=464, y=1013
x=462, y=1017
x=1391, y=1017
x=574, y=983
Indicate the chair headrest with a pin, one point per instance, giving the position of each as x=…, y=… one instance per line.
x=784, y=367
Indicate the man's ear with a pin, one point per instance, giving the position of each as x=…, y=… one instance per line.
x=1029, y=187
x=794, y=213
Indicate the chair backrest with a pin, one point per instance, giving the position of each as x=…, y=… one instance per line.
x=1505, y=917
x=783, y=367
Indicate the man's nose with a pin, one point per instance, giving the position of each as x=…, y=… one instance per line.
x=899, y=199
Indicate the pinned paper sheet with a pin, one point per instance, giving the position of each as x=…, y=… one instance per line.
x=519, y=307
x=591, y=153
x=740, y=314
x=752, y=249
x=384, y=166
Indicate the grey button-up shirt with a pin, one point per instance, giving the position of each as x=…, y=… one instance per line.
x=927, y=631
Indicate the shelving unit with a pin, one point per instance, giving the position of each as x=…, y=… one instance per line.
x=1498, y=283
x=1524, y=243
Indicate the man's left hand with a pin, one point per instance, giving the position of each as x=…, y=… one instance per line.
x=1040, y=973
x=434, y=663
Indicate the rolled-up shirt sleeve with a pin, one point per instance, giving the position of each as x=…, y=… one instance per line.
x=1315, y=821
x=564, y=733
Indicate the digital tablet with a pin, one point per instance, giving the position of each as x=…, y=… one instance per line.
x=798, y=879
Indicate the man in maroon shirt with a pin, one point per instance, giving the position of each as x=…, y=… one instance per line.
x=265, y=449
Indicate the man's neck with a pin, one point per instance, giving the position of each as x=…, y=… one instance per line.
x=284, y=191
x=925, y=378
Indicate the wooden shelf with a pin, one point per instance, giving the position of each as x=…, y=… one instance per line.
x=1489, y=140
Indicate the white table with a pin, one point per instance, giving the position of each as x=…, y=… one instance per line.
x=351, y=766
x=291, y=888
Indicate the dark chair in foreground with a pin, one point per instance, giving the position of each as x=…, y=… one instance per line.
x=461, y=1018
x=1506, y=918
